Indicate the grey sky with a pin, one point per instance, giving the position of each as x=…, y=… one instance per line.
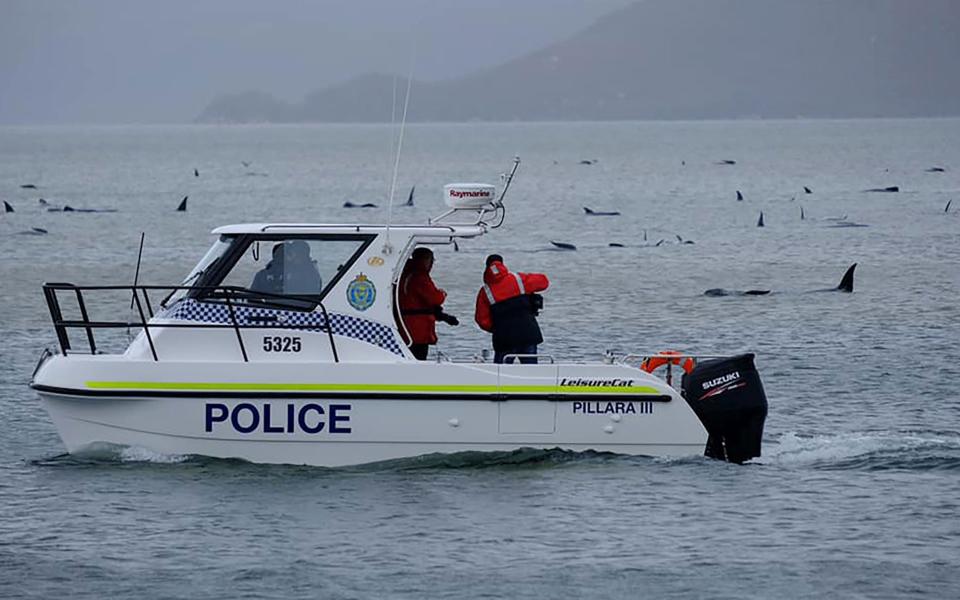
x=105, y=61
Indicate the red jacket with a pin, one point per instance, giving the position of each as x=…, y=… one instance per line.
x=418, y=299
x=503, y=285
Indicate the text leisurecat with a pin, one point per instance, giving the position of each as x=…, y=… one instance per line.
x=247, y=417
x=564, y=382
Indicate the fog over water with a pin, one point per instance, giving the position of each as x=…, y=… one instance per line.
x=147, y=62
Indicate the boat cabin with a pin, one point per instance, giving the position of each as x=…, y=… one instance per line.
x=330, y=287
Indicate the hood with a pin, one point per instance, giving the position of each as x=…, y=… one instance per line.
x=495, y=272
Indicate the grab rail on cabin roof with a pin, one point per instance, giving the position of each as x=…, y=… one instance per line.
x=145, y=312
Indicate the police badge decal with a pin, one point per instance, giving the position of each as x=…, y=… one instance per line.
x=361, y=293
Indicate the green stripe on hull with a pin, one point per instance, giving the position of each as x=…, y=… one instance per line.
x=363, y=387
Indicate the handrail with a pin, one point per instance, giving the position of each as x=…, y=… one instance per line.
x=510, y=359
x=230, y=295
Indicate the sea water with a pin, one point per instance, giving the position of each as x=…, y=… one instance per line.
x=857, y=491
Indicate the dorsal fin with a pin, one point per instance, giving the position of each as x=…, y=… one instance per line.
x=801, y=213
x=587, y=210
x=183, y=205
x=739, y=195
x=760, y=220
x=410, y=197
x=846, y=284
x=7, y=207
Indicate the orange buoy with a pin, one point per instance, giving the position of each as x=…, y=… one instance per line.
x=672, y=357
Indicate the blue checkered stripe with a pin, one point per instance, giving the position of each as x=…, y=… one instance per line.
x=345, y=325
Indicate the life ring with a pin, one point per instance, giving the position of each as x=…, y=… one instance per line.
x=672, y=357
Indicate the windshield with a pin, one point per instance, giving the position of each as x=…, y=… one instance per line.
x=213, y=254
x=260, y=268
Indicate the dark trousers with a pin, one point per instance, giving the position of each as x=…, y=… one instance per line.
x=498, y=355
x=420, y=351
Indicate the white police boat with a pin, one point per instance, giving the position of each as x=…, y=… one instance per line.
x=283, y=346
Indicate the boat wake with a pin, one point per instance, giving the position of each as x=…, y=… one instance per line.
x=111, y=454
x=872, y=451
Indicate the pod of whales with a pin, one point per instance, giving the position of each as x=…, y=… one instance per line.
x=600, y=213
x=846, y=286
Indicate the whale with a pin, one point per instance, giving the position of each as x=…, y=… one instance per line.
x=563, y=245
x=364, y=205
x=936, y=170
x=726, y=161
x=847, y=224
x=947, y=207
x=183, y=205
x=846, y=286
x=719, y=292
x=409, y=201
x=28, y=186
x=807, y=190
x=888, y=189
x=739, y=195
x=196, y=173
x=69, y=209
x=846, y=283
x=7, y=208
x=34, y=231
x=760, y=220
x=600, y=213
x=802, y=216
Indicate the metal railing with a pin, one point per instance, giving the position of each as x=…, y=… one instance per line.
x=231, y=296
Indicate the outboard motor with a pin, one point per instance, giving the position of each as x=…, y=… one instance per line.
x=727, y=396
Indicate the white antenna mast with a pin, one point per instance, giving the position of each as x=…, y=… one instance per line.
x=387, y=247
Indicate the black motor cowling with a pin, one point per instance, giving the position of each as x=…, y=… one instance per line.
x=727, y=396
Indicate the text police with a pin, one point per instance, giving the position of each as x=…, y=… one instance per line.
x=269, y=418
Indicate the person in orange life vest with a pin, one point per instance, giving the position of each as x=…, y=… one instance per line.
x=420, y=302
x=507, y=307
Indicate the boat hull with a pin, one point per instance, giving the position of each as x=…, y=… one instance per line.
x=335, y=432
x=345, y=414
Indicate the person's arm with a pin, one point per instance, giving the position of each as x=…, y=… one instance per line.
x=429, y=293
x=534, y=282
x=482, y=315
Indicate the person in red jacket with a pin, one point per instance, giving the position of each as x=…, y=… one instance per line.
x=507, y=307
x=420, y=302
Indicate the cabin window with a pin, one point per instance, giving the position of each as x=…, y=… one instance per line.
x=303, y=266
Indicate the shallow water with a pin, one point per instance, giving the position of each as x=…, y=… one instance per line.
x=855, y=496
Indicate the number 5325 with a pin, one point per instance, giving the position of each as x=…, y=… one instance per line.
x=281, y=344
